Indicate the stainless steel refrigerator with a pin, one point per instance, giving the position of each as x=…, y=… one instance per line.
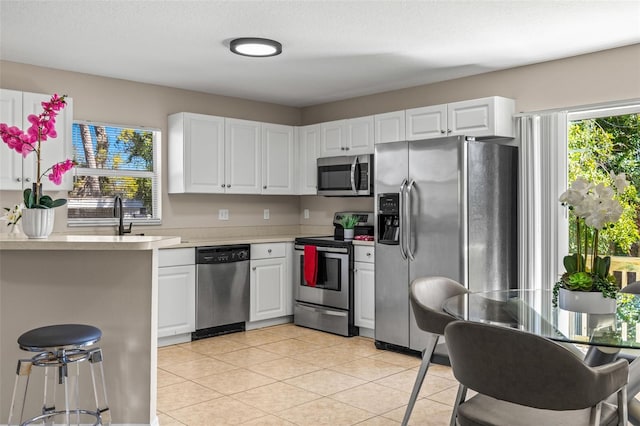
x=445, y=207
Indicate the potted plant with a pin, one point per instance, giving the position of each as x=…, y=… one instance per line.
x=348, y=222
x=38, y=213
x=587, y=281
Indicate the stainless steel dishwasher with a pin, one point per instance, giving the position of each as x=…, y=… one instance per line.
x=222, y=289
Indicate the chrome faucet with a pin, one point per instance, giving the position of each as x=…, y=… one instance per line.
x=118, y=212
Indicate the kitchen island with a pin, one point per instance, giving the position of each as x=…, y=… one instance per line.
x=106, y=281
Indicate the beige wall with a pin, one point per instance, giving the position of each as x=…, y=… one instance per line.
x=610, y=75
x=596, y=78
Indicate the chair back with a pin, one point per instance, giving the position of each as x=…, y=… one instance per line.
x=633, y=288
x=522, y=368
x=427, y=295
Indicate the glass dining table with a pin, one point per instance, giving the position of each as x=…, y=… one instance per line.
x=533, y=311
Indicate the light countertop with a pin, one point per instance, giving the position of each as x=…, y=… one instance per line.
x=87, y=242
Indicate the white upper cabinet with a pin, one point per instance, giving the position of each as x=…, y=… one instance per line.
x=278, y=154
x=390, y=127
x=196, y=153
x=492, y=116
x=426, y=122
x=209, y=154
x=10, y=161
x=347, y=137
x=308, y=152
x=484, y=117
x=243, y=153
x=17, y=173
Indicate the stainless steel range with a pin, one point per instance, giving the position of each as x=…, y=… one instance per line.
x=324, y=299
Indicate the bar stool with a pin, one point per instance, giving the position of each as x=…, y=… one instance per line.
x=58, y=347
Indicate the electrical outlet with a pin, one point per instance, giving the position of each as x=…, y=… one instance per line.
x=306, y=213
x=223, y=214
x=266, y=214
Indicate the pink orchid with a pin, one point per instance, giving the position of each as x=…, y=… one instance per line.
x=42, y=128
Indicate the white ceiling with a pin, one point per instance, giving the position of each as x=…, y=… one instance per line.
x=332, y=50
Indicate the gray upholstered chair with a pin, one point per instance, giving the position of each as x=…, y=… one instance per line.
x=427, y=295
x=526, y=379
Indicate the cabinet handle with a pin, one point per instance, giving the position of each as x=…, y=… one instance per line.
x=229, y=186
x=264, y=187
x=18, y=179
x=443, y=132
x=368, y=254
x=448, y=130
x=346, y=149
x=28, y=179
x=269, y=251
x=253, y=269
x=223, y=185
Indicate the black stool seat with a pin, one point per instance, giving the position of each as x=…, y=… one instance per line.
x=59, y=337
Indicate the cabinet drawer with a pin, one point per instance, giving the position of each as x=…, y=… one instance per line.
x=364, y=254
x=176, y=257
x=268, y=250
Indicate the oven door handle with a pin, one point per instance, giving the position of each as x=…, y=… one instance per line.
x=322, y=311
x=325, y=249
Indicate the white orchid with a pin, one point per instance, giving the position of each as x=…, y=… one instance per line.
x=12, y=215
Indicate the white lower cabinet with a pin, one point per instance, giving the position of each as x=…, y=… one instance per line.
x=364, y=288
x=271, y=295
x=176, y=295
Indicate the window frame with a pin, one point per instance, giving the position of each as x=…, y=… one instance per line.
x=155, y=175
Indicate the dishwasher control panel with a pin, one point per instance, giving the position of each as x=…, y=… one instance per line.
x=222, y=254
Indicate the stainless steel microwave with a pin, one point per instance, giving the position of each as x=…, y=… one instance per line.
x=346, y=176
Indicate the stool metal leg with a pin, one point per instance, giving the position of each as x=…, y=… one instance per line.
x=22, y=371
x=99, y=386
x=49, y=405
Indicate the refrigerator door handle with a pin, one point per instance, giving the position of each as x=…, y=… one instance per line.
x=354, y=165
x=403, y=252
x=408, y=221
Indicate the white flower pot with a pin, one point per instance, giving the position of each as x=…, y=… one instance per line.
x=592, y=302
x=348, y=234
x=37, y=223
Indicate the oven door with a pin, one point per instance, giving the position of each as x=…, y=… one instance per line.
x=332, y=284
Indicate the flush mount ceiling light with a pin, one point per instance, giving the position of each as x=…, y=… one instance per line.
x=257, y=47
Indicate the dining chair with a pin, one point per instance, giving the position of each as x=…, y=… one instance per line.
x=427, y=294
x=525, y=379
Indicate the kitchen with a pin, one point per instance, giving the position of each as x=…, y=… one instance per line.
x=111, y=100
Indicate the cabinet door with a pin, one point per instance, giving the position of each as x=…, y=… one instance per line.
x=426, y=122
x=243, y=167
x=492, y=116
x=278, y=150
x=176, y=300
x=309, y=144
x=202, y=143
x=268, y=291
x=364, y=295
x=390, y=127
x=54, y=150
x=360, y=136
x=10, y=161
x=333, y=138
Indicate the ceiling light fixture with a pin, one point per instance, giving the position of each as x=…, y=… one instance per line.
x=256, y=47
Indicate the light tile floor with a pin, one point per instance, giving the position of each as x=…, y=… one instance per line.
x=289, y=375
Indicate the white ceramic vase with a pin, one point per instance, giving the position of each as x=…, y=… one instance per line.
x=592, y=302
x=37, y=223
x=348, y=234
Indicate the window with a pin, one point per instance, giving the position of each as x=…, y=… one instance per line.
x=115, y=160
x=600, y=142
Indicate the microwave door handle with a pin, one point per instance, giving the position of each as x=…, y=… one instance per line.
x=403, y=252
x=408, y=216
x=354, y=165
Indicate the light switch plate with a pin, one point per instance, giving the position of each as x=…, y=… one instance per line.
x=306, y=213
x=266, y=214
x=223, y=214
